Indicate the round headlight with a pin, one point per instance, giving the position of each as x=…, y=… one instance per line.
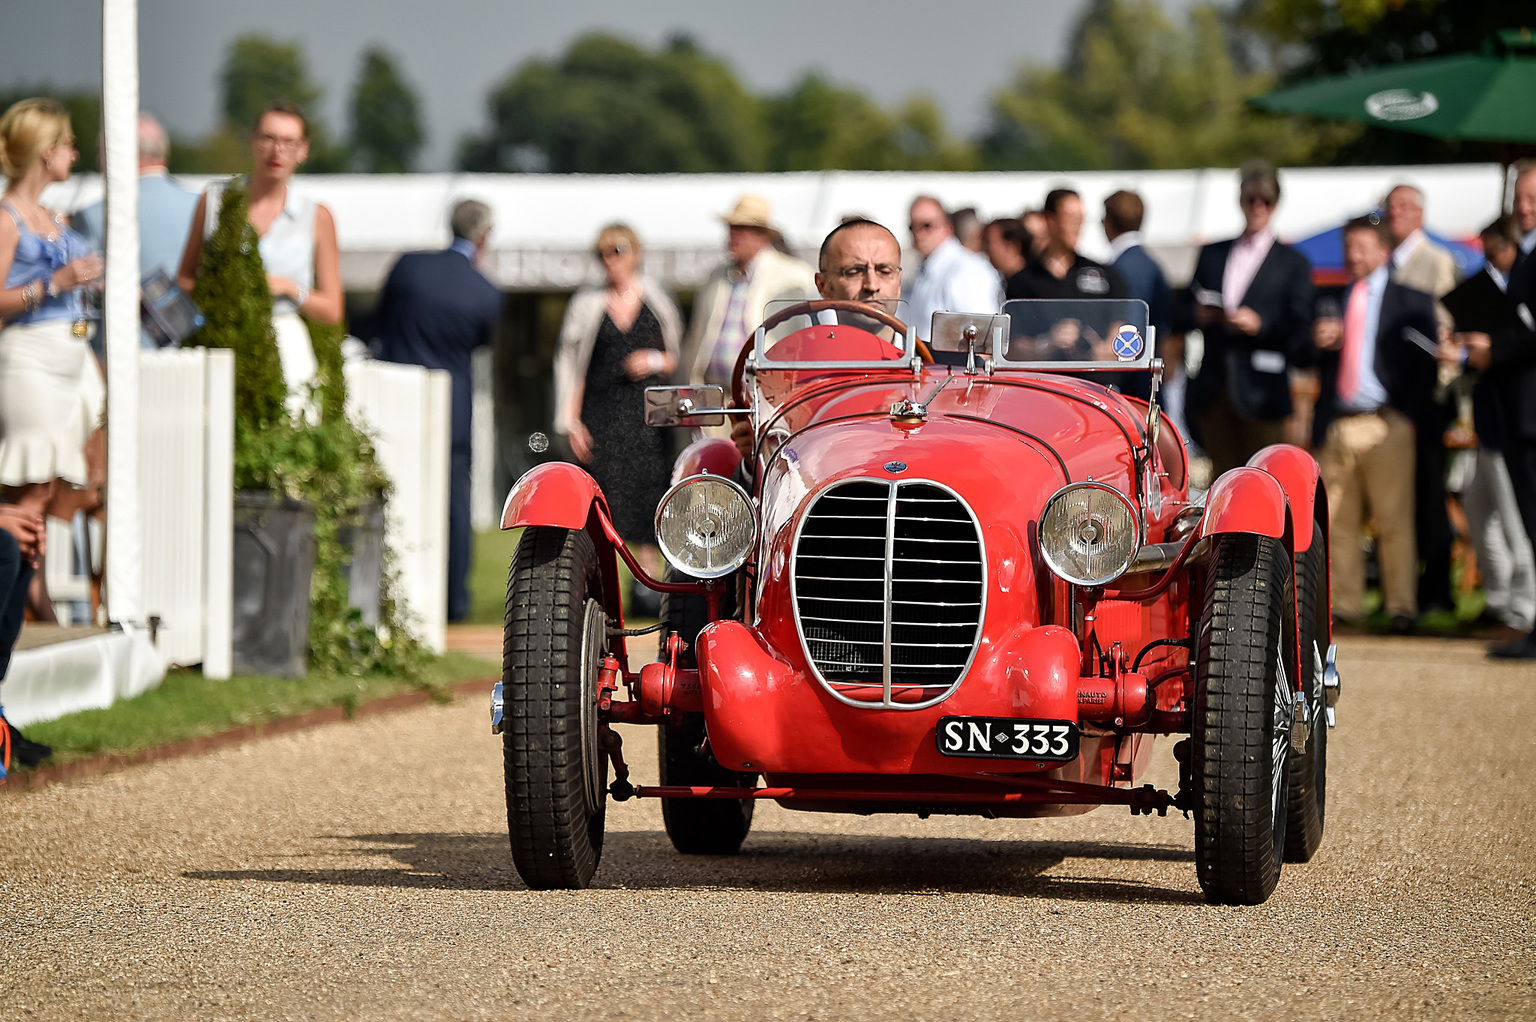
x=1089, y=533
x=705, y=526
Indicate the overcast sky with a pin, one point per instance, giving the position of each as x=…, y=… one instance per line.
x=453, y=51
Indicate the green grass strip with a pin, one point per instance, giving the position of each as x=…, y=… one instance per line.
x=187, y=705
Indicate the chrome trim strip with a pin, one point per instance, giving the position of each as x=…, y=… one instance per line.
x=890, y=571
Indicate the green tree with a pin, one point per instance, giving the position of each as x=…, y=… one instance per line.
x=818, y=125
x=84, y=117
x=232, y=292
x=258, y=71
x=386, y=117
x=1138, y=91
x=609, y=106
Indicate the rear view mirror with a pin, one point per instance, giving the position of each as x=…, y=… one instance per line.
x=684, y=406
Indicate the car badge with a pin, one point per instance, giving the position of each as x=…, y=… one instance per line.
x=1128, y=344
x=895, y=466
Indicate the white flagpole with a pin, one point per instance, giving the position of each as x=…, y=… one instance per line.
x=120, y=307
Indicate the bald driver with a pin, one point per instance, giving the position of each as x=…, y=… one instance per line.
x=860, y=260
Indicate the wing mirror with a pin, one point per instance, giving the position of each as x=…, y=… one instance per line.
x=686, y=406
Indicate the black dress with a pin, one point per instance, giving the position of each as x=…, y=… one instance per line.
x=629, y=458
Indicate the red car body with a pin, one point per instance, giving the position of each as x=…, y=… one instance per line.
x=1000, y=444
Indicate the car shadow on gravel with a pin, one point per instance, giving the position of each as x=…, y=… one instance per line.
x=773, y=861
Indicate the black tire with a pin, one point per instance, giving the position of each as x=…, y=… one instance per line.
x=1307, y=784
x=1242, y=717
x=698, y=826
x=556, y=774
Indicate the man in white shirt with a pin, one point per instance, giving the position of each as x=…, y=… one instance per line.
x=952, y=277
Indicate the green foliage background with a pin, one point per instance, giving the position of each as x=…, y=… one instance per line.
x=1143, y=84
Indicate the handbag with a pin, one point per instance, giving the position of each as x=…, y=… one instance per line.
x=167, y=313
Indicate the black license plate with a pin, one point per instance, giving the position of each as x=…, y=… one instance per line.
x=1008, y=738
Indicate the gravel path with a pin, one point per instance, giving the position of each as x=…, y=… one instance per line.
x=361, y=871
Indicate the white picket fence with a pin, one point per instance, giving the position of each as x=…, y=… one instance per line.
x=186, y=502
x=186, y=469
x=408, y=409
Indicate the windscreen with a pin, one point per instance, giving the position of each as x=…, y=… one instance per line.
x=857, y=334
x=1087, y=333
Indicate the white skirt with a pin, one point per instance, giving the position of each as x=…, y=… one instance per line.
x=51, y=399
x=297, y=355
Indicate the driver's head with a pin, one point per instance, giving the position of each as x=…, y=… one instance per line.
x=860, y=260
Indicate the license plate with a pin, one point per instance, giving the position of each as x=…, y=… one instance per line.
x=1007, y=738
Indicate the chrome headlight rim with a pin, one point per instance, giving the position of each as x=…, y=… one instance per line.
x=692, y=570
x=1136, y=526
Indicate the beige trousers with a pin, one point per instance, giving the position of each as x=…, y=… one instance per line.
x=1367, y=463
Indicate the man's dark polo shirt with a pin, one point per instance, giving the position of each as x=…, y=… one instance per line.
x=1086, y=279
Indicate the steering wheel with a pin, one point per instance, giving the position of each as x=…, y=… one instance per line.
x=874, y=312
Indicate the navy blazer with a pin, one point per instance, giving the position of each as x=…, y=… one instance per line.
x=436, y=309
x=1404, y=368
x=1513, y=362
x=1281, y=293
x=1144, y=279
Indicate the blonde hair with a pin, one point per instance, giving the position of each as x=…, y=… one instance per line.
x=617, y=234
x=27, y=130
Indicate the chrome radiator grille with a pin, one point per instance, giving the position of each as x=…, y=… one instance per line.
x=889, y=591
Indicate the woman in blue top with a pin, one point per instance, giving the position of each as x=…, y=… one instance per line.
x=51, y=391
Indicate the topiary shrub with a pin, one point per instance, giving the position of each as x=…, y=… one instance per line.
x=330, y=464
x=231, y=290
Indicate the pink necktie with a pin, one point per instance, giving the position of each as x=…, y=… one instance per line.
x=1354, y=341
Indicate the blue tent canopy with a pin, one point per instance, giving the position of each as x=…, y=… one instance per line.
x=1325, y=252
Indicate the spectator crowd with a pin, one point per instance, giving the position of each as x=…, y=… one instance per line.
x=1386, y=377
x=1403, y=355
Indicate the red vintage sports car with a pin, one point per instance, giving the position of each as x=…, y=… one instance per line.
x=965, y=577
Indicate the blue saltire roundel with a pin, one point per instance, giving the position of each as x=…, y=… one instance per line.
x=1128, y=344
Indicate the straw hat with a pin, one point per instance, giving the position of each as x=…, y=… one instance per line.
x=750, y=211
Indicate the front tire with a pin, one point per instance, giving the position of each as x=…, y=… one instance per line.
x=555, y=771
x=1242, y=720
x=1307, y=784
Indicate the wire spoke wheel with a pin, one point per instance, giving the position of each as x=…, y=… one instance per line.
x=1307, y=776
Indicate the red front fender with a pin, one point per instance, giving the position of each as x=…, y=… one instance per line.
x=1301, y=479
x=1246, y=500
x=555, y=493
x=714, y=455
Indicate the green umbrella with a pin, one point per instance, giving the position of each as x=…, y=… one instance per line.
x=1487, y=96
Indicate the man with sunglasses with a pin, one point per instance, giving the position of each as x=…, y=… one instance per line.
x=952, y=278
x=1251, y=297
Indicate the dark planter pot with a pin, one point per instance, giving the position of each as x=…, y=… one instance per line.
x=274, y=559
x=362, y=537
